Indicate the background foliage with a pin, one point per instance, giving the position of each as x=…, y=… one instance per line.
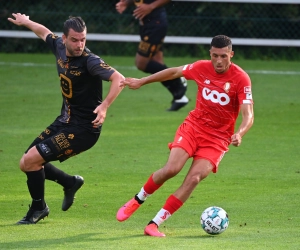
x=202, y=19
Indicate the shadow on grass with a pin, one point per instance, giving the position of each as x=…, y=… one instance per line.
x=67, y=242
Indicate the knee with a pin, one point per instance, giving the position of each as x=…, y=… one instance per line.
x=25, y=164
x=195, y=179
x=170, y=172
x=22, y=164
x=140, y=66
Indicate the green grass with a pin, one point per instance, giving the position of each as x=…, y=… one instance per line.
x=257, y=183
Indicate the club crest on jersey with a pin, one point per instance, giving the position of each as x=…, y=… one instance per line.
x=226, y=87
x=68, y=151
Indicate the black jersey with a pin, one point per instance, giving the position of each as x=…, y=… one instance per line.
x=81, y=82
x=156, y=14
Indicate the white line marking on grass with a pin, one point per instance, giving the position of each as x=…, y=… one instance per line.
x=119, y=67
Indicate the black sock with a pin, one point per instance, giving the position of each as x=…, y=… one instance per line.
x=174, y=86
x=154, y=67
x=36, y=187
x=54, y=174
x=138, y=200
x=152, y=222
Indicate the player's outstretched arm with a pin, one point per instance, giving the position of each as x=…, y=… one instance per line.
x=164, y=75
x=144, y=9
x=22, y=20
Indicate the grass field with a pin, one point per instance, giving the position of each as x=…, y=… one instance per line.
x=257, y=183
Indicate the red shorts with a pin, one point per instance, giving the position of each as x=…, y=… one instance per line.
x=198, y=145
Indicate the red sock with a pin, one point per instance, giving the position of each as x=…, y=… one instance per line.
x=172, y=204
x=150, y=186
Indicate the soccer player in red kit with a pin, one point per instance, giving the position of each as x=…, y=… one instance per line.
x=224, y=92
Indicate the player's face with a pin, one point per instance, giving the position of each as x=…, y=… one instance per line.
x=74, y=42
x=221, y=58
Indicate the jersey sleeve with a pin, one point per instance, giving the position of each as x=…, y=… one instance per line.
x=51, y=41
x=244, y=91
x=96, y=66
x=189, y=70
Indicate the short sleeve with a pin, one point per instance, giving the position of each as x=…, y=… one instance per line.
x=96, y=66
x=244, y=90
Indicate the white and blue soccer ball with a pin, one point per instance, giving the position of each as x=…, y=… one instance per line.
x=214, y=220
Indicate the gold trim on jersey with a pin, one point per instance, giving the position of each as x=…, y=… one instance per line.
x=138, y=2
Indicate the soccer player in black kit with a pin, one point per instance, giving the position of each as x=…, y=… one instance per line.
x=153, y=25
x=83, y=111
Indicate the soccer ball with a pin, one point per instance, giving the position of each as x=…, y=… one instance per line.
x=214, y=220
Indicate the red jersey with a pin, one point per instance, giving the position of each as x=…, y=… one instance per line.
x=219, y=98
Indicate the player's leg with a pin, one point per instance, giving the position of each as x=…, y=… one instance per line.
x=51, y=172
x=70, y=183
x=207, y=157
x=31, y=164
x=181, y=148
x=149, y=59
x=62, y=145
x=177, y=87
x=175, y=163
x=199, y=170
x=53, y=144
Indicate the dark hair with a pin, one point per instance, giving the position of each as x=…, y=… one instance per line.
x=221, y=41
x=75, y=23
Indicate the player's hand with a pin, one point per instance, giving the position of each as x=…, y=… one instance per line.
x=19, y=20
x=101, y=114
x=132, y=83
x=121, y=6
x=142, y=10
x=236, y=140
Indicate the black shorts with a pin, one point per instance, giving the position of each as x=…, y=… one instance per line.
x=61, y=141
x=152, y=37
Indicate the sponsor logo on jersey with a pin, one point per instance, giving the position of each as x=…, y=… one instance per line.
x=45, y=149
x=61, y=141
x=247, y=89
x=248, y=96
x=105, y=66
x=215, y=97
x=75, y=72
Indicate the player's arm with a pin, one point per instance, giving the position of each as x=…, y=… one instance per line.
x=113, y=92
x=22, y=20
x=144, y=9
x=122, y=5
x=159, y=3
x=164, y=75
x=247, y=121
